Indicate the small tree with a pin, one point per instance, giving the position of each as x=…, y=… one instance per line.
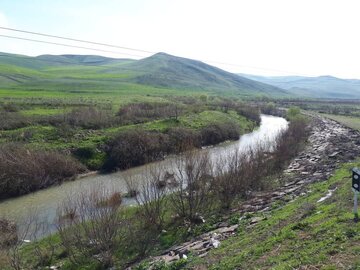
x=90, y=226
x=292, y=112
x=193, y=176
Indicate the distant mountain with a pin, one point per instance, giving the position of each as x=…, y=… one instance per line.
x=165, y=70
x=313, y=87
x=160, y=70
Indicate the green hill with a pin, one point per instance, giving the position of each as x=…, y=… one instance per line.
x=160, y=71
x=170, y=71
x=313, y=87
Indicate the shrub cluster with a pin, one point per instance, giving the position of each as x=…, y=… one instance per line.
x=13, y=120
x=290, y=141
x=146, y=111
x=219, y=132
x=137, y=147
x=250, y=112
x=23, y=170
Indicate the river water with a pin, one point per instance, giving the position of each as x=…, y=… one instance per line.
x=44, y=203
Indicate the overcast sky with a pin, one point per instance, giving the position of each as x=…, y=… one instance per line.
x=268, y=37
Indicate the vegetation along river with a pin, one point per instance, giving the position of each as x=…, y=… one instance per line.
x=44, y=203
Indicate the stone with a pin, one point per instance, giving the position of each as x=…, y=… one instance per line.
x=256, y=220
x=334, y=154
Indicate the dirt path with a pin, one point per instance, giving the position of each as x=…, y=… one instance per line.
x=329, y=145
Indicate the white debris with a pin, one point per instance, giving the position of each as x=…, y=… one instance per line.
x=214, y=242
x=26, y=241
x=184, y=256
x=328, y=195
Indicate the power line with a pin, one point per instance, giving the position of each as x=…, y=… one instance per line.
x=73, y=39
x=68, y=45
x=120, y=47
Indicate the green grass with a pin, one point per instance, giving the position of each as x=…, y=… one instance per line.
x=349, y=121
x=302, y=233
x=200, y=120
x=197, y=121
x=43, y=111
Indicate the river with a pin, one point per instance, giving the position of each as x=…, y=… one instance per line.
x=44, y=203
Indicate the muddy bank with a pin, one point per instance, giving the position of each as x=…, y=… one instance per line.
x=329, y=145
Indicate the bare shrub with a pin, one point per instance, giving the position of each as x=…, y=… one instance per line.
x=135, y=147
x=219, y=132
x=23, y=170
x=140, y=238
x=143, y=228
x=146, y=111
x=231, y=178
x=183, y=139
x=241, y=172
x=90, y=229
x=151, y=197
x=250, y=112
x=90, y=117
x=132, y=186
x=192, y=195
x=289, y=142
x=13, y=120
x=14, y=237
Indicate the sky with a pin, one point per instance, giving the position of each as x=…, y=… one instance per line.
x=264, y=37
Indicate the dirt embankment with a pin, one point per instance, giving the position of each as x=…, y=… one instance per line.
x=329, y=145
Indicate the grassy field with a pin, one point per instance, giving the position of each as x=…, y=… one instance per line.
x=303, y=234
x=349, y=121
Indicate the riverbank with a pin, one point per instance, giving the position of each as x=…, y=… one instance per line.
x=120, y=148
x=306, y=180
x=46, y=201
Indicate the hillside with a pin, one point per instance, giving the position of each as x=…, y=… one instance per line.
x=313, y=87
x=307, y=233
x=162, y=71
x=170, y=71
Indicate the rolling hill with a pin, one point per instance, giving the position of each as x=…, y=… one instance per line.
x=313, y=87
x=79, y=72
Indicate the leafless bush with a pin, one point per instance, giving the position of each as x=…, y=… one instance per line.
x=241, y=172
x=13, y=120
x=89, y=228
x=289, y=142
x=219, y=132
x=250, y=112
x=132, y=186
x=90, y=117
x=231, y=178
x=192, y=195
x=142, y=112
x=15, y=236
x=135, y=147
x=183, y=139
x=23, y=170
x=151, y=197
